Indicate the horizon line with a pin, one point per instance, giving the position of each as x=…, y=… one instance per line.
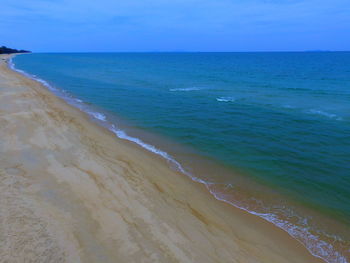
x=286, y=51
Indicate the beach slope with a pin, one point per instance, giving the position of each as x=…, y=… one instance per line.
x=70, y=191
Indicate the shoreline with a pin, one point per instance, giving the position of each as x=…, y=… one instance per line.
x=118, y=199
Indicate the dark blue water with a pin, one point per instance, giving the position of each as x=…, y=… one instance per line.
x=281, y=119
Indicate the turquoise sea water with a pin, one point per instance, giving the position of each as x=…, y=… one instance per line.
x=279, y=124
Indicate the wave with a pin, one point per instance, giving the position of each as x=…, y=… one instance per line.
x=312, y=242
x=302, y=233
x=34, y=77
x=97, y=115
x=317, y=91
x=187, y=89
x=226, y=99
x=325, y=114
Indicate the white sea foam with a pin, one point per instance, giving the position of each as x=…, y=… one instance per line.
x=226, y=99
x=325, y=114
x=312, y=242
x=187, y=89
x=122, y=135
x=12, y=66
x=97, y=115
x=316, y=246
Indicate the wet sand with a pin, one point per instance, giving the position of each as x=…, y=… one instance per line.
x=70, y=191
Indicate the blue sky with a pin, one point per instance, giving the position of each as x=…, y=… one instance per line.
x=176, y=25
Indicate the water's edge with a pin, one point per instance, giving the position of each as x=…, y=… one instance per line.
x=317, y=247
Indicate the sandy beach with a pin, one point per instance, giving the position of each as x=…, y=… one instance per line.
x=70, y=191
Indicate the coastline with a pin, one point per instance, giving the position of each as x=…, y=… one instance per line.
x=74, y=192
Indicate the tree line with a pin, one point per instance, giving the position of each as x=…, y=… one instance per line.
x=6, y=50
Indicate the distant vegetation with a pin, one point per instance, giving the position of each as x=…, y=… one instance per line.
x=6, y=50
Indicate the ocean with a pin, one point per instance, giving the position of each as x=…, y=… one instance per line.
x=266, y=132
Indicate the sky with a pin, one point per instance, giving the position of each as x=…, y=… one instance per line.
x=175, y=25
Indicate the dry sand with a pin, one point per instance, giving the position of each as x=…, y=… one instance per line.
x=70, y=191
